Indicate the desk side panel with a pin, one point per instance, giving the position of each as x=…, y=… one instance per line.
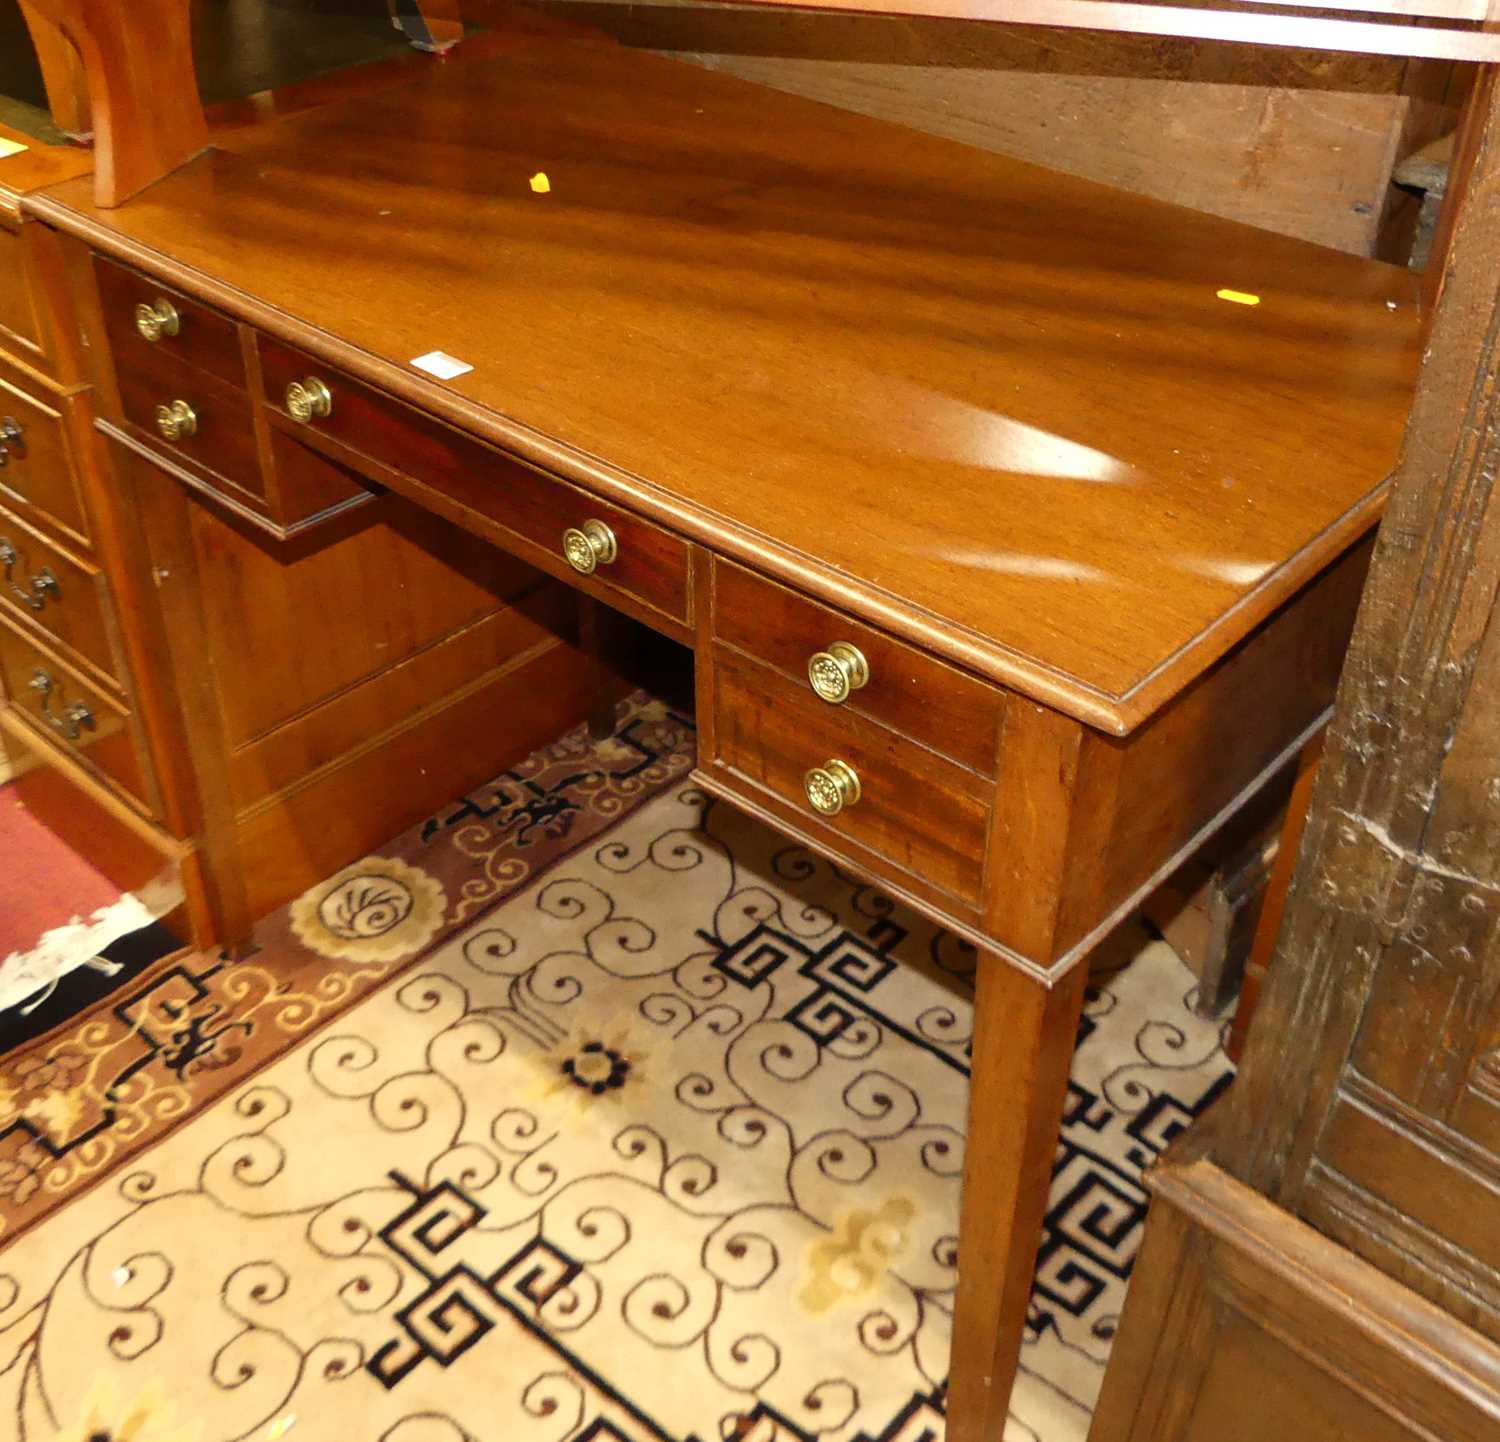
x=1146, y=796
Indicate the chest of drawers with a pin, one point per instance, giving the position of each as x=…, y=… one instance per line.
x=64, y=666
x=72, y=648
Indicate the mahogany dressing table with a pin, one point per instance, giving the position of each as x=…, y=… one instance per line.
x=1017, y=525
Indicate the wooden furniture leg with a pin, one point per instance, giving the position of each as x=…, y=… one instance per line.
x=429, y=24
x=1269, y=925
x=143, y=89
x=62, y=73
x=1024, y=1032
x=603, y=636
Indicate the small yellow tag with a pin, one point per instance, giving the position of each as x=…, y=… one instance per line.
x=11, y=147
x=1238, y=297
x=540, y=183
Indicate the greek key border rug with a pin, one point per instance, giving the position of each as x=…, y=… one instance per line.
x=664, y=1147
x=82, y=1097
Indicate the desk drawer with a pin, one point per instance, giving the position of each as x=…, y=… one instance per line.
x=43, y=584
x=71, y=714
x=220, y=436
x=942, y=708
x=918, y=811
x=18, y=327
x=36, y=460
x=203, y=338
x=650, y=565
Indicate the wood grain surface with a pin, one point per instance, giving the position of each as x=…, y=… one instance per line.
x=38, y=471
x=1244, y=1324
x=907, y=691
x=106, y=742
x=1367, y=1103
x=1299, y=142
x=72, y=609
x=996, y=410
x=142, y=91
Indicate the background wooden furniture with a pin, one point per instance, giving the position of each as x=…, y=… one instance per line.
x=62, y=72
x=70, y=600
x=1299, y=142
x=1245, y=1324
x=1368, y=1107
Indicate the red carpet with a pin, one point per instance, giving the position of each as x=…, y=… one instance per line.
x=43, y=884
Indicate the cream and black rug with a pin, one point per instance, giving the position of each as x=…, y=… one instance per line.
x=659, y=1140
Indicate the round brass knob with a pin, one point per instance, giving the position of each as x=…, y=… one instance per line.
x=175, y=420
x=308, y=399
x=589, y=546
x=834, y=673
x=831, y=787
x=154, y=319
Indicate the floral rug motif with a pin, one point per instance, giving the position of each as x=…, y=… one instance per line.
x=665, y=1147
x=82, y=1097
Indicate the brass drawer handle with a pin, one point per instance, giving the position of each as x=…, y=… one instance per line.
x=589, y=546
x=834, y=673
x=72, y=722
x=308, y=399
x=156, y=318
x=175, y=420
x=34, y=594
x=12, y=440
x=831, y=787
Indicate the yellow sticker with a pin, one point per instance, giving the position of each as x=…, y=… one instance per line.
x=540, y=183
x=1239, y=297
x=11, y=147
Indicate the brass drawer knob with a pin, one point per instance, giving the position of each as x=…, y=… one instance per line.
x=831, y=787
x=834, y=673
x=154, y=319
x=308, y=399
x=175, y=420
x=589, y=546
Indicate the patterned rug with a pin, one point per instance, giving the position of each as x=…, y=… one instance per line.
x=653, y=1131
x=99, y=1086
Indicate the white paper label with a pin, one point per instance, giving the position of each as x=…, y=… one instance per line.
x=442, y=365
x=11, y=147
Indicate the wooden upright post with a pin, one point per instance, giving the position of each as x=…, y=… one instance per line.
x=137, y=57
x=1397, y=887
x=62, y=73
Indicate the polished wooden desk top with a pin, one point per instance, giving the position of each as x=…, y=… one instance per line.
x=35, y=166
x=989, y=407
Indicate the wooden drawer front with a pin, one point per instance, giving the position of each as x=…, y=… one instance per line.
x=305, y=486
x=917, y=696
x=45, y=585
x=36, y=469
x=223, y=442
x=916, y=810
x=651, y=565
x=69, y=712
x=205, y=339
x=18, y=328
